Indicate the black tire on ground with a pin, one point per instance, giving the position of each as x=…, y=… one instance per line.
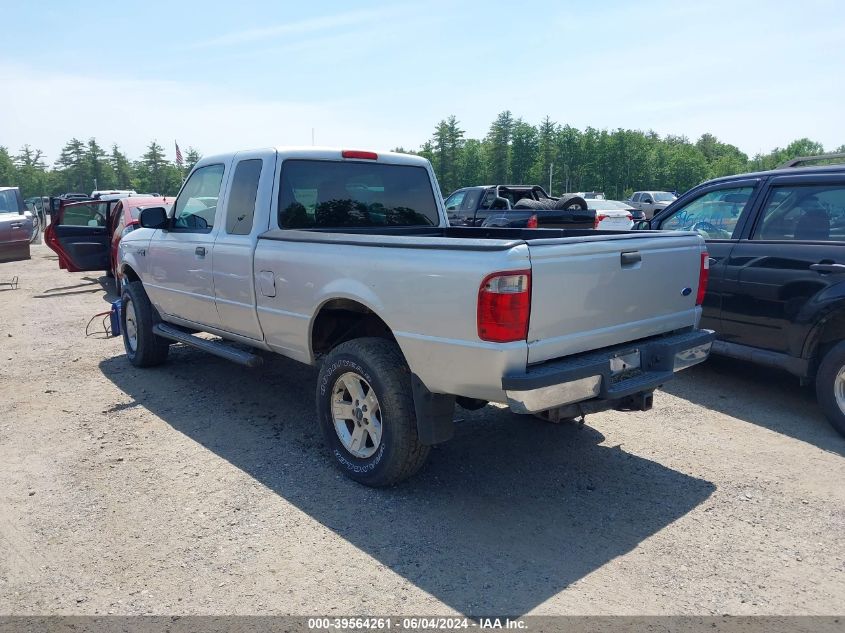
x=527, y=203
x=398, y=453
x=147, y=350
x=830, y=380
x=569, y=201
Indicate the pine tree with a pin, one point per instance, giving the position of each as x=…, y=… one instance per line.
x=499, y=138
x=121, y=167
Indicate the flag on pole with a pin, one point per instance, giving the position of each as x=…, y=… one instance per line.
x=179, y=160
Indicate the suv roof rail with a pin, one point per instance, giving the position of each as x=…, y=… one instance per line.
x=797, y=162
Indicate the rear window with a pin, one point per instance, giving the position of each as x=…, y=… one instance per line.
x=9, y=201
x=333, y=194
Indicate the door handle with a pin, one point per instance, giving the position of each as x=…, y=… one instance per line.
x=630, y=258
x=200, y=251
x=823, y=269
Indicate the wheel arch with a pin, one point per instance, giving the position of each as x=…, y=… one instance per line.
x=128, y=273
x=341, y=319
x=827, y=332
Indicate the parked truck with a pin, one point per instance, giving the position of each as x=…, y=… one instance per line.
x=651, y=202
x=345, y=259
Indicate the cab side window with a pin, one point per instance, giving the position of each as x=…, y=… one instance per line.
x=804, y=213
x=453, y=202
x=714, y=215
x=197, y=202
x=240, y=209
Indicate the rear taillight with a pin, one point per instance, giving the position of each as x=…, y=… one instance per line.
x=703, y=276
x=630, y=217
x=504, y=306
x=599, y=220
x=532, y=222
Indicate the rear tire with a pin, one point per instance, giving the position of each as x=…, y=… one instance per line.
x=527, y=203
x=366, y=412
x=830, y=386
x=571, y=201
x=143, y=348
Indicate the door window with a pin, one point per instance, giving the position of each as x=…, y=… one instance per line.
x=240, y=209
x=714, y=215
x=804, y=213
x=197, y=203
x=93, y=214
x=453, y=202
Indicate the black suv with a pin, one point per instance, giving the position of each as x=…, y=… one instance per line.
x=777, y=269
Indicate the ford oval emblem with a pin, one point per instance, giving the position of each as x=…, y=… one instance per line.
x=686, y=292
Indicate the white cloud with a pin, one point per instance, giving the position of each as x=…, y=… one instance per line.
x=302, y=27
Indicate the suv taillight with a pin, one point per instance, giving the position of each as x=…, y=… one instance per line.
x=504, y=306
x=703, y=276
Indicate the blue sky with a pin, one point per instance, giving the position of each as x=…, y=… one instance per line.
x=234, y=75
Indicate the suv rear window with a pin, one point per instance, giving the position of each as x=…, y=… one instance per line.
x=329, y=194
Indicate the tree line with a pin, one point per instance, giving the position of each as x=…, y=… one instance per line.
x=84, y=167
x=565, y=159
x=559, y=157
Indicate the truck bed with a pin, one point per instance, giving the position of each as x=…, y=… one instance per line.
x=584, y=295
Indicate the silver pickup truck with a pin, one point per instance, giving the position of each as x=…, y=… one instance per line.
x=345, y=259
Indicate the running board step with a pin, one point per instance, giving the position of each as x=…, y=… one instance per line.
x=217, y=348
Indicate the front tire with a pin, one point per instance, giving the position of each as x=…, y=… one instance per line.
x=830, y=386
x=366, y=412
x=143, y=348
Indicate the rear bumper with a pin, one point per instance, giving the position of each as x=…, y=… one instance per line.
x=611, y=374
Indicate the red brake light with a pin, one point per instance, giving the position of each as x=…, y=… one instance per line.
x=599, y=218
x=356, y=153
x=532, y=222
x=504, y=306
x=703, y=276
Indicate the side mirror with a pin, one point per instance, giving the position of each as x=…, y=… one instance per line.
x=648, y=201
x=153, y=218
x=642, y=225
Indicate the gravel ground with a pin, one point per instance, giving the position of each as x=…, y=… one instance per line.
x=202, y=488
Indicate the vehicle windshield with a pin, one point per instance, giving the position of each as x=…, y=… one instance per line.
x=663, y=196
x=323, y=194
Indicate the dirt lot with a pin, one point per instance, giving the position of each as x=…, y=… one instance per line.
x=202, y=488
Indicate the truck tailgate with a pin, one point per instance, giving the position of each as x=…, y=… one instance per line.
x=606, y=290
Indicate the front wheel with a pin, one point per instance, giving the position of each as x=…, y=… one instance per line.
x=830, y=386
x=143, y=347
x=366, y=412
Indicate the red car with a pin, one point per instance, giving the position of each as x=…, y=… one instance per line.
x=115, y=217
